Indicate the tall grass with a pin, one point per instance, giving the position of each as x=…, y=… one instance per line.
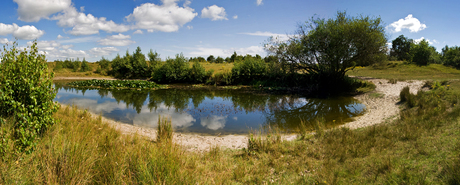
x=165, y=130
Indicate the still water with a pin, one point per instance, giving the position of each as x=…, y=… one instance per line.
x=210, y=111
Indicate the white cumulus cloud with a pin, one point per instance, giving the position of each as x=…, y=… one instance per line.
x=168, y=17
x=259, y=2
x=46, y=45
x=25, y=32
x=411, y=23
x=235, y=17
x=116, y=40
x=28, y=33
x=416, y=41
x=34, y=10
x=4, y=41
x=86, y=24
x=138, y=32
x=214, y=13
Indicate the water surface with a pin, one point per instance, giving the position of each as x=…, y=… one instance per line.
x=208, y=110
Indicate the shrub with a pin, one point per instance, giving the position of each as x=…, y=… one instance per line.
x=421, y=53
x=174, y=70
x=76, y=65
x=248, y=70
x=26, y=94
x=85, y=66
x=198, y=74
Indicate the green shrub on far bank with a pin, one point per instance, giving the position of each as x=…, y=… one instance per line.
x=178, y=71
x=26, y=95
x=248, y=70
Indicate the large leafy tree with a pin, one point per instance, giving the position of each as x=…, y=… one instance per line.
x=328, y=48
x=401, y=48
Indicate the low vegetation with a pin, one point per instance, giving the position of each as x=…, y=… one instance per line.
x=115, y=84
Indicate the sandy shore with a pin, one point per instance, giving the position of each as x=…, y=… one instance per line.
x=379, y=109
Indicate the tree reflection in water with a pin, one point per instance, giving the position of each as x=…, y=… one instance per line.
x=284, y=111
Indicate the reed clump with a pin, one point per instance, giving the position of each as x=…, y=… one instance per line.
x=165, y=130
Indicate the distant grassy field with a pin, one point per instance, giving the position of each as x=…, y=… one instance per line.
x=69, y=73
x=401, y=71
x=64, y=72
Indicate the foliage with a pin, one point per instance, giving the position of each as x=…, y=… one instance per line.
x=421, y=53
x=154, y=60
x=248, y=70
x=178, y=71
x=401, y=47
x=327, y=49
x=451, y=56
x=211, y=59
x=85, y=66
x=330, y=47
x=131, y=66
x=139, y=65
x=115, y=84
x=219, y=60
x=198, y=74
x=174, y=70
x=26, y=94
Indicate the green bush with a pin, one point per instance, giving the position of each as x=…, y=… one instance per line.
x=421, y=53
x=198, y=74
x=26, y=94
x=248, y=70
x=173, y=71
x=85, y=66
x=76, y=65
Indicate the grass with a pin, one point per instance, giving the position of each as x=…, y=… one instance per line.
x=403, y=71
x=218, y=68
x=64, y=72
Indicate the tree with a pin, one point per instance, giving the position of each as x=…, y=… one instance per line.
x=401, y=48
x=421, y=53
x=211, y=59
x=139, y=65
x=85, y=66
x=219, y=60
x=233, y=57
x=327, y=49
x=451, y=56
x=154, y=58
x=26, y=95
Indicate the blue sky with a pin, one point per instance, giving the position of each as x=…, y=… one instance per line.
x=91, y=29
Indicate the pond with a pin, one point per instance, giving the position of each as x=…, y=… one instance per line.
x=210, y=111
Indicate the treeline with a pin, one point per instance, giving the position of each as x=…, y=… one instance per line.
x=422, y=53
x=247, y=70
x=74, y=65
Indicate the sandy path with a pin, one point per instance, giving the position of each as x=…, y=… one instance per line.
x=379, y=110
